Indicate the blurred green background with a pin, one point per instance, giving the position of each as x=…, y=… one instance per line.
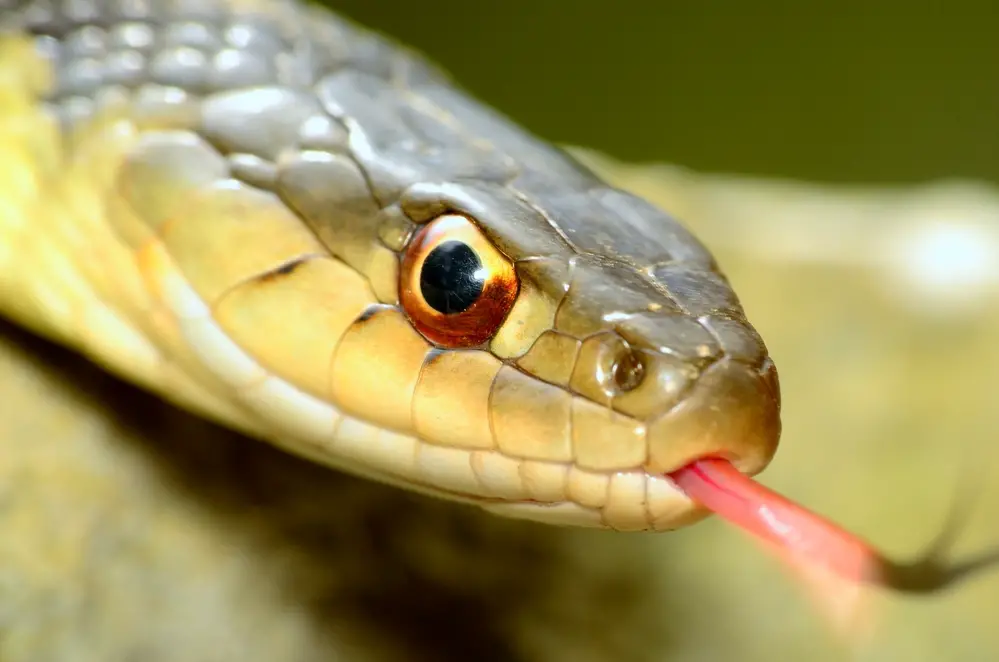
x=887, y=91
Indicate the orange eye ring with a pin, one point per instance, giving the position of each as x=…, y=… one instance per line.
x=456, y=287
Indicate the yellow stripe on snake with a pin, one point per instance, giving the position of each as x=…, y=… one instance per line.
x=279, y=220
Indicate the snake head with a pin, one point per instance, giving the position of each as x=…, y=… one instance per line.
x=425, y=294
x=623, y=353
x=547, y=346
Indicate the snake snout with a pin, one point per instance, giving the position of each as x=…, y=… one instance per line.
x=707, y=388
x=731, y=411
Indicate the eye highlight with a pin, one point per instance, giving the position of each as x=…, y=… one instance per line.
x=456, y=287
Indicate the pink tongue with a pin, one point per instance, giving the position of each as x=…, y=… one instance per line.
x=830, y=561
x=800, y=533
x=810, y=541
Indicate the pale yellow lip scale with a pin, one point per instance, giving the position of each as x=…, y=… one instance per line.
x=804, y=537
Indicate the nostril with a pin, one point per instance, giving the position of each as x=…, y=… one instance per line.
x=628, y=371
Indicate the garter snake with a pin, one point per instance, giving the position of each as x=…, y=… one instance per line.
x=272, y=217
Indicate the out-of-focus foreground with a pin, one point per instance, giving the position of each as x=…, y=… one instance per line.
x=131, y=531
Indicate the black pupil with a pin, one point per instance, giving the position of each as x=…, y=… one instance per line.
x=452, y=278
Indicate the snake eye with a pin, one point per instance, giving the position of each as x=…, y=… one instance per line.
x=456, y=287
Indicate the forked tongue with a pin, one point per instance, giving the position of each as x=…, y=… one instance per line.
x=837, y=564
